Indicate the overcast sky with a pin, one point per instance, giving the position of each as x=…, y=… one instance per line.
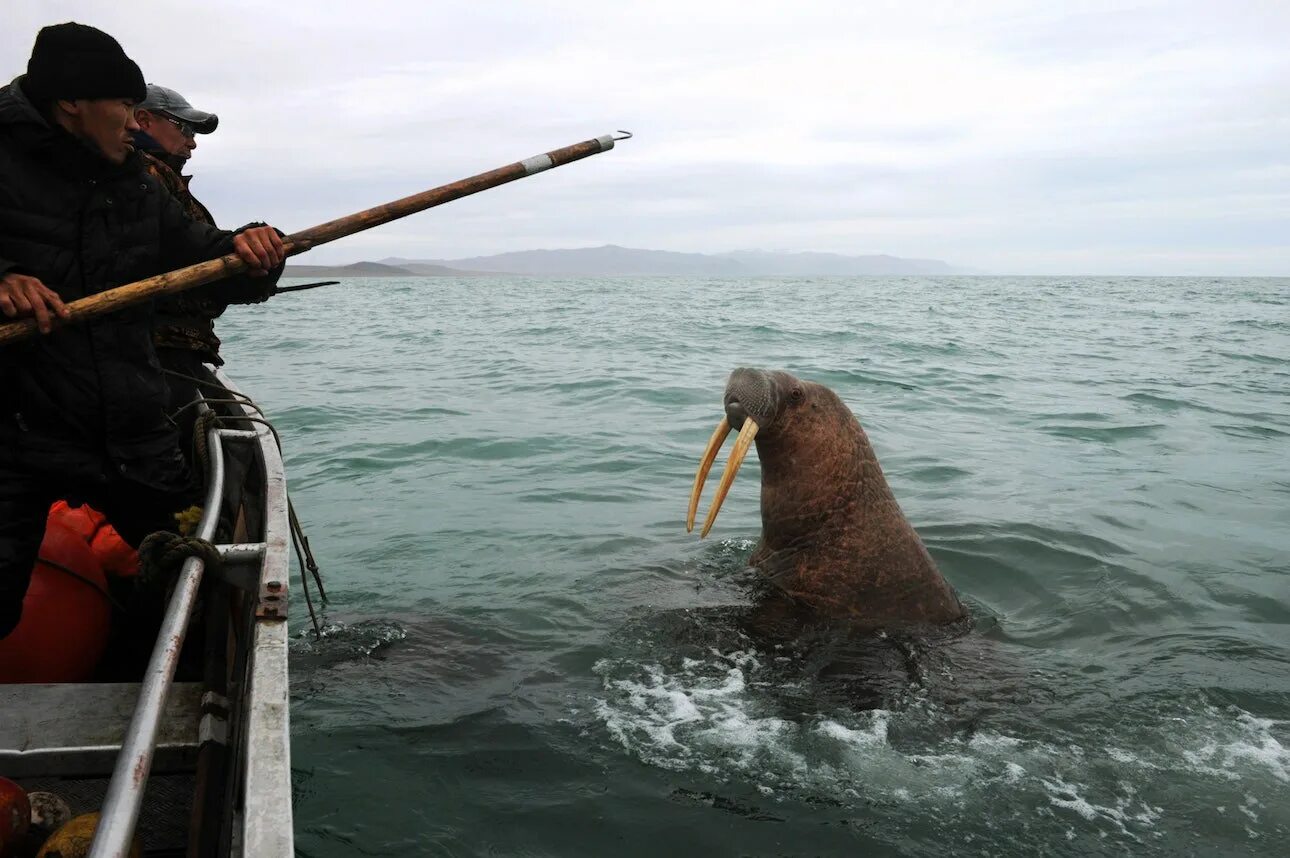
x=1011, y=137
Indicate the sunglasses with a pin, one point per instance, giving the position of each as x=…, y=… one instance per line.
x=184, y=128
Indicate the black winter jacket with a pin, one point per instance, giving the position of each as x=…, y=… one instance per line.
x=89, y=398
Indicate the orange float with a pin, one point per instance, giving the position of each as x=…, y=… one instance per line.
x=66, y=614
x=15, y=816
x=114, y=553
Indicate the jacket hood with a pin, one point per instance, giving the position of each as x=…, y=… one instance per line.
x=17, y=109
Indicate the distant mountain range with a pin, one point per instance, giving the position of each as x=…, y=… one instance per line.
x=613, y=260
x=370, y=269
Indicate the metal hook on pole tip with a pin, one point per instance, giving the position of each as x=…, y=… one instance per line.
x=607, y=142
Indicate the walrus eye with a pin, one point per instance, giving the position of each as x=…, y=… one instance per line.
x=796, y=395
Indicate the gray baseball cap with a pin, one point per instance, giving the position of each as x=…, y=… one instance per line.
x=166, y=100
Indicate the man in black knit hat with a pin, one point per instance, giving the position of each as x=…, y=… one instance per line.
x=82, y=408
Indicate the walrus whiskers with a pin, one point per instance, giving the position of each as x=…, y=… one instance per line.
x=742, y=443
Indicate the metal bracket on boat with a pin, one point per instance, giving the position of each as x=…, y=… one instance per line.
x=241, y=565
x=273, y=601
x=214, y=723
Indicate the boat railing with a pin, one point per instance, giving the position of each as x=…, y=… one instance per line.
x=266, y=827
x=264, y=743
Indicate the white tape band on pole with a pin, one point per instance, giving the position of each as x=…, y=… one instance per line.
x=536, y=164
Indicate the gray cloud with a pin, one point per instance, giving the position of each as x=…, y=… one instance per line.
x=1006, y=136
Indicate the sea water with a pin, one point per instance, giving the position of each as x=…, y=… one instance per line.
x=526, y=654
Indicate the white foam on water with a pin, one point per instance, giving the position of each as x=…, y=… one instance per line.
x=993, y=742
x=717, y=716
x=1127, y=809
x=708, y=715
x=361, y=638
x=684, y=723
x=875, y=734
x=1246, y=745
x=1127, y=758
x=1248, y=808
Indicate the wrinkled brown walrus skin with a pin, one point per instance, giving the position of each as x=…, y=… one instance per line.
x=833, y=536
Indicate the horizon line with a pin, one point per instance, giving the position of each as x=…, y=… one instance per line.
x=1226, y=276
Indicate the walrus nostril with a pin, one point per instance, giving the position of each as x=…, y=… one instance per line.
x=736, y=414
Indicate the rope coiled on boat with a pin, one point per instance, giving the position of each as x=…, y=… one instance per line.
x=161, y=554
x=206, y=421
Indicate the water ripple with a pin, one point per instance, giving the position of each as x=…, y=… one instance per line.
x=527, y=654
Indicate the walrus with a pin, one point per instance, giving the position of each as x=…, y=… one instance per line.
x=833, y=536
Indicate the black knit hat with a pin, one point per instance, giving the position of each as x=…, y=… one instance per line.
x=71, y=61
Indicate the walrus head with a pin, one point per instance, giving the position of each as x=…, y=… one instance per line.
x=778, y=411
x=833, y=535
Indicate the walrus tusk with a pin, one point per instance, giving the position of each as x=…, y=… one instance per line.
x=705, y=465
x=742, y=443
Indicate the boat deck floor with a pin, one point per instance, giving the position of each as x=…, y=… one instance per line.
x=64, y=739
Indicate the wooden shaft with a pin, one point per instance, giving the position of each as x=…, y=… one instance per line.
x=226, y=266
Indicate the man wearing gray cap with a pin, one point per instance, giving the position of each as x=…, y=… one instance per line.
x=168, y=126
x=184, y=334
